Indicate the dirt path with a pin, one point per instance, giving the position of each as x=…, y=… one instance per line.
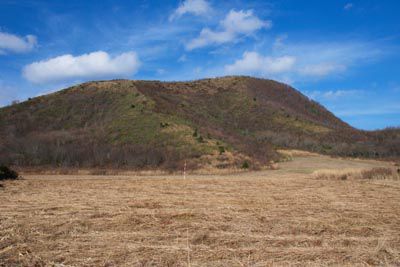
x=282, y=217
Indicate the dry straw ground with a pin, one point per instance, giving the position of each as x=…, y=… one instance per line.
x=277, y=217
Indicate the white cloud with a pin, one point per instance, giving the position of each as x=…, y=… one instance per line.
x=321, y=69
x=195, y=7
x=305, y=61
x=244, y=22
x=323, y=59
x=319, y=60
x=15, y=44
x=208, y=36
x=235, y=23
x=348, y=6
x=254, y=63
x=93, y=65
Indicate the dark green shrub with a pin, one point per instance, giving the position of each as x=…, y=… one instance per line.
x=221, y=150
x=245, y=165
x=200, y=139
x=7, y=174
x=195, y=133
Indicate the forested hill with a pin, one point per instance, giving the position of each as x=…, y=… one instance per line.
x=150, y=124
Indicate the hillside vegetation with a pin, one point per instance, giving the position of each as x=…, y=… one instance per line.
x=224, y=122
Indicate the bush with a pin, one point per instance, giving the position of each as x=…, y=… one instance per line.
x=164, y=124
x=195, y=133
x=7, y=174
x=245, y=165
x=221, y=150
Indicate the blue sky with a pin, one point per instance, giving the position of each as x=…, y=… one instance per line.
x=343, y=54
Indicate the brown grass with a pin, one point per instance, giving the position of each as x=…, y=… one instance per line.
x=267, y=218
x=380, y=173
x=296, y=153
x=376, y=173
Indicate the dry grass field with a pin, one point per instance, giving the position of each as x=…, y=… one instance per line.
x=266, y=218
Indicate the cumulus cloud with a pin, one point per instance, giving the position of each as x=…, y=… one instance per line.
x=244, y=22
x=254, y=63
x=195, y=7
x=16, y=44
x=93, y=65
x=302, y=61
x=235, y=24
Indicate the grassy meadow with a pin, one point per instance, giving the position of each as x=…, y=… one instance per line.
x=302, y=214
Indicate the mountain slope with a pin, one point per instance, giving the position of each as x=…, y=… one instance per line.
x=139, y=124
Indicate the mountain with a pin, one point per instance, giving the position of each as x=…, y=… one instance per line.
x=224, y=122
